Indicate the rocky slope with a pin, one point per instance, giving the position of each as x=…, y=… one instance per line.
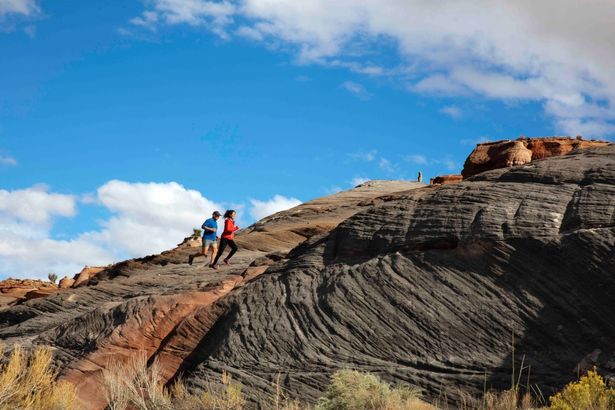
x=431, y=286
x=427, y=286
x=159, y=304
x=507, y=153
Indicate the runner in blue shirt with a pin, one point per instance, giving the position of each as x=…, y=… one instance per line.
x=210, y=230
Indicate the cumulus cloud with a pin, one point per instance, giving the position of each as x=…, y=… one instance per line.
x=506, y=50
x=145, y=218
x=23, y=7
x=261, y=209
x=35, y=205
x=149, y=217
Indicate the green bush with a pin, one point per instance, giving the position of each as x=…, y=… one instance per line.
x=352, y=390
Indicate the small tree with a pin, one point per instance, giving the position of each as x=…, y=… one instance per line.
x=196, y=232
x=52, y=277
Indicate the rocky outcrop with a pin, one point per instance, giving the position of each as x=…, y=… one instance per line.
x=423, y=286
x=161, y=305
x=507, y=153
x=430, y=287
x=86, y=273
x=446, y=179
x=14, y=291
x=66, y=282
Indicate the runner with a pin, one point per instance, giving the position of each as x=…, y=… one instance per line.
x=210, y=229
x=227, y=238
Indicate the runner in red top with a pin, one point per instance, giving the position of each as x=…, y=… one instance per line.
x=227, y=238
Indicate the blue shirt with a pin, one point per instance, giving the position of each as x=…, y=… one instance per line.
x=210, y=223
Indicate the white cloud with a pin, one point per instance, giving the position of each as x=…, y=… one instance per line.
x=8, y=160
x=148, y=19
x=146, y=218
x=35, y=205
x=215, y=15
x=261, y=209
x=507, y=50
x=356, y=89
x=24, y=7
x=249, y=33
x=150, y=217
x=452, y=111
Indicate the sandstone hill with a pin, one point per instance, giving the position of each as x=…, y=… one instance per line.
x=161, y=305
x=425, y=285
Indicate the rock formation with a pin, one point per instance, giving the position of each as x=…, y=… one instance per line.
x=161, y=305
x=446, y=179
x=423, y=286
x=428, y=286
x=507, y=153
x=14, y=291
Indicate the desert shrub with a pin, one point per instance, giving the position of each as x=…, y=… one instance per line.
x=215, y=397
x=588, y=393
x=133, y=384
x=196, y=232
x=52, y=277
x=352, y=390
x=29, y=382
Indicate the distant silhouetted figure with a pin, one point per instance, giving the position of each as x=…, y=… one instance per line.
x=227, y=238
x=420, y=178
x=210, y=231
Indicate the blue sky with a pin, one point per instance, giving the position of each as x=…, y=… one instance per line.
x=126, y=120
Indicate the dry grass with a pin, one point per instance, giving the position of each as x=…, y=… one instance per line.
x=133, y=384
x=29, y=383
x=352, y=390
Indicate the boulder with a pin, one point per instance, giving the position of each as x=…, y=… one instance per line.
x=86, y=273
x=66, y=282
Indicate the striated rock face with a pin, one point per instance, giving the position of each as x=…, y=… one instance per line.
x=161, y=305
x=424, y=286
x=429, y=286
x=507, y=153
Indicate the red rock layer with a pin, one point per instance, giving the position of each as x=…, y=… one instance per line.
x=446, y=179
x=506, y=153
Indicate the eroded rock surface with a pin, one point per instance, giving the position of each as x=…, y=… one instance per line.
x=508, y=153
x=429, y=286
x=159, y=304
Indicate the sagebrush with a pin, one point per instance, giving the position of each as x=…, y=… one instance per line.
x=29, y=382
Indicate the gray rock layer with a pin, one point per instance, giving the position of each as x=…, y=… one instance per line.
x=434, y=286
